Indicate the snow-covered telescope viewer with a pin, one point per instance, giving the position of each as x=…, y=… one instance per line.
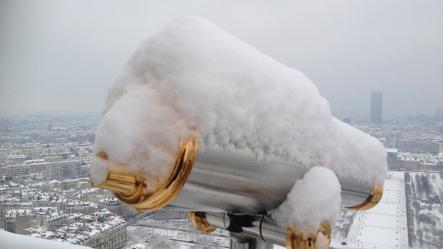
x=201, y=121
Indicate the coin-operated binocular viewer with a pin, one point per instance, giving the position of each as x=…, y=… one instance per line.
x=239, y=131
x=232, y=191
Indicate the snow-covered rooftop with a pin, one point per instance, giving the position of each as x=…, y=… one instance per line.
x=81, y=227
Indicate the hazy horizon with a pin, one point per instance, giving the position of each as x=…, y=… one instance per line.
x=61, y=56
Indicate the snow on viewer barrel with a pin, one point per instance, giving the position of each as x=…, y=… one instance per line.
x=193, y=89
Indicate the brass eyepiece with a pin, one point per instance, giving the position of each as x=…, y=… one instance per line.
x=372, y=200
x=200, y=222
x=120, y=183
x=131, y=188
x=321, y=239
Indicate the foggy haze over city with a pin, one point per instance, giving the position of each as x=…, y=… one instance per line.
x=59, y=56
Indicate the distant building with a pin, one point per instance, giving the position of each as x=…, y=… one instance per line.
x=406, y=161
x=376, y=107
x=63, y=169
x=420, y=146
x=112, y=204
x=33, y=153
x=36, y=166
x=17, y=220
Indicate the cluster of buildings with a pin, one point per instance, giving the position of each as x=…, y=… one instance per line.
x=410, y=214
x=45, y=190
x=45, y=168
x=44, y=186
x=48, y=211
x=37, y=148
x=408, y=161
x=101, y=229
x=45, y=161
x=411, y=146
x=170, y=229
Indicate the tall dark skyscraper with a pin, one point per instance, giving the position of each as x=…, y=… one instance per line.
x=376, y=107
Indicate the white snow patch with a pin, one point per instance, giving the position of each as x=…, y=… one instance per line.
x=99, y=170
x=311, y=201
x=194, y=79
x=357, y=155
x=140, y=134
x=14, y=241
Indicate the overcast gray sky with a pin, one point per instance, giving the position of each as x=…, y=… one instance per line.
x=61, y=56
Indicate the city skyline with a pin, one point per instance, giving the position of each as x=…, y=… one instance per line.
x=221, y=124
x=48, y=158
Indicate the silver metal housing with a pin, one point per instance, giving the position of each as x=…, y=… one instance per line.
x=235, y=182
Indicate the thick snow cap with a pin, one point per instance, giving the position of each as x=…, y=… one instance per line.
x=311, y=201
x=194, y=79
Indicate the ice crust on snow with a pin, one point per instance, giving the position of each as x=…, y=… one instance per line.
x=312, y=200
x=194, y=79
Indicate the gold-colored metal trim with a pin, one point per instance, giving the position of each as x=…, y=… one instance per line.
x=372, y=200
x=296, y=240
x=125, y=185
x=131, y=189
x=200, y=222
x=102, y=155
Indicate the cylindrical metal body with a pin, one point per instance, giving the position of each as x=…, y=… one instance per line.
x=215, y=180
x=235, y=182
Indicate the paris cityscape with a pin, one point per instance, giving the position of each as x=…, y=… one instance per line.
x=221, y=124
x=45, y=190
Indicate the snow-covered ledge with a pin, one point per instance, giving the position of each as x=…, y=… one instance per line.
x=18, y=241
